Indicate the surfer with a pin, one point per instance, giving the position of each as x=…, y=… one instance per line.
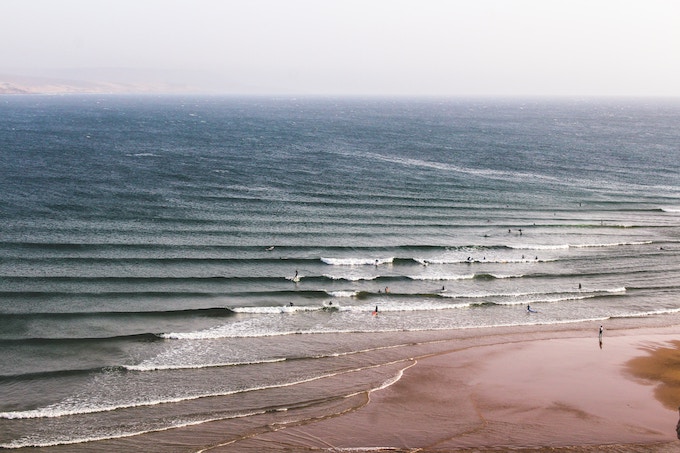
x=269, y=249
x=376, y=311
x=530, y=310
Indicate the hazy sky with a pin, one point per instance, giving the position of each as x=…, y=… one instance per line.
x=381, y=47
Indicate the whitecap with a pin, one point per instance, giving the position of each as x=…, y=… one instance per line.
x=356, y=261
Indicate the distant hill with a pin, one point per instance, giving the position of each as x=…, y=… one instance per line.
x=16, y=84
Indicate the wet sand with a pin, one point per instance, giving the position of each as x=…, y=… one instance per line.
x=531, y=388
x=539, y=393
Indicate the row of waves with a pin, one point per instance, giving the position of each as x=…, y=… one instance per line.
x=441, y=215
x=61, y=316
x=298, y=290
x=57, y=411
x=102, y=247
x=446, y=302
x=319, y=295
x=173, y=288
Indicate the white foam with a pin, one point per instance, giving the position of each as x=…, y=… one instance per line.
x=441, y=277
x=274, y=309
x=143, y=155
x=351, y=278
x=490, y=260
x=68, y=440
x=575, y=246
x=621, y=289
x=612, y=244
x=503, y=276
x=661, y=311
x=539, y=246
x=357, y=261
x=394, y=379
x=350, y=293
x=462, y=277
x=64, y=409
x=150, y=366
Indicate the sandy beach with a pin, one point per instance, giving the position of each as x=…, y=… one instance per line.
x=538, y=393
x=529, y=388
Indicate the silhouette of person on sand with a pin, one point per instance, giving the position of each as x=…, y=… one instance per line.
x=600, y=336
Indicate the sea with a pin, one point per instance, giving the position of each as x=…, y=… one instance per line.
x=176, y=261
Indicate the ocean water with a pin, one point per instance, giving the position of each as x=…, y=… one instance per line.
x=172, y=261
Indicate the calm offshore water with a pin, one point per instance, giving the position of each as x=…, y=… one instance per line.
x=148, y=246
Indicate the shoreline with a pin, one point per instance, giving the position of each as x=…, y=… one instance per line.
x=541, y=388
x=538, y=393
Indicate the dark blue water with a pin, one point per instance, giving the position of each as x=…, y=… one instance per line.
x=152, y=243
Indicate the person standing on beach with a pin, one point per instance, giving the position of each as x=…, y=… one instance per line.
x=600, y=335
